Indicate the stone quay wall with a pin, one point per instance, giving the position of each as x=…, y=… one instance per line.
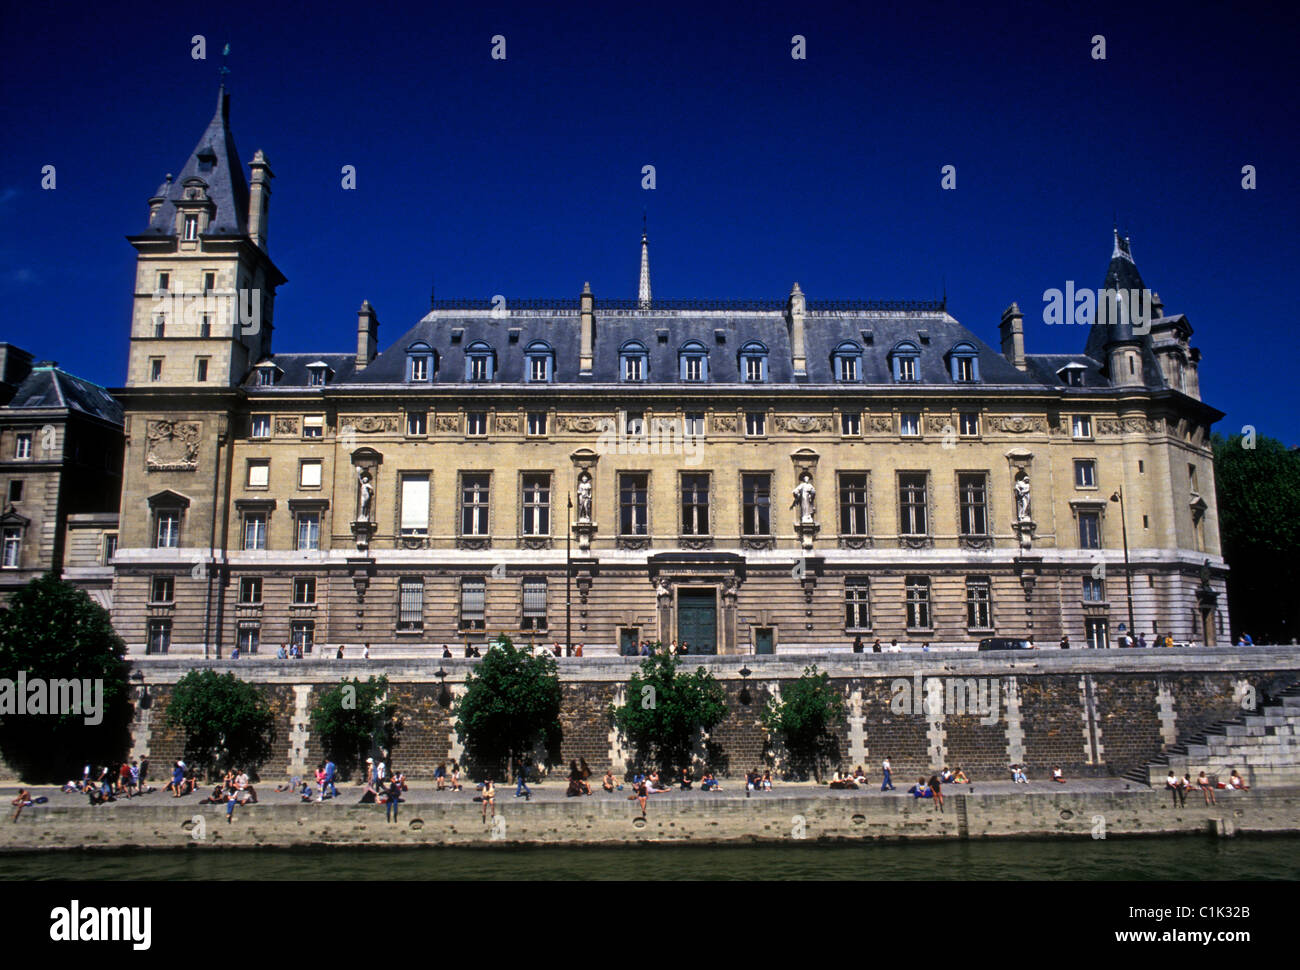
x=1094, y=714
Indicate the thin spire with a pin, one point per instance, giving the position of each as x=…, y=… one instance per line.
x=643, y=290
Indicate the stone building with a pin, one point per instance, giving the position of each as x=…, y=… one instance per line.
x=60, y=469
x=771, y=476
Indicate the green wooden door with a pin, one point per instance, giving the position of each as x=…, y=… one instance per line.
x=697, y=620
x=763, y=639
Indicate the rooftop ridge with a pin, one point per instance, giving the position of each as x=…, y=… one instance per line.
x=660, y=304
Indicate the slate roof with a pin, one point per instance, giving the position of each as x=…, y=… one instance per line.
x=48, y=387
x=216, y=161
x=295, y=373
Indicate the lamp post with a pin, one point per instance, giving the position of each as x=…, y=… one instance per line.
x=1118, y=496
x=568, y=579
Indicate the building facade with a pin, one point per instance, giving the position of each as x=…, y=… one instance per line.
x=745, y=476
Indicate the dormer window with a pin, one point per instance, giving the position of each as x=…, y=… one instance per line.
x=847, y=362
x=480, y=362
x=541, y=362
x=634, y=361
x=693, y=361
x=965, y=364
x=267, y=374
x=753, y=363
x=1071, y=375
x=419, y=362
x=191, y=228
x=904, y=360
x=318, y=374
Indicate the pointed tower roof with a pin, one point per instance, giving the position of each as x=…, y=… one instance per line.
x=1121, y=275
x=216, y=161
x=643, y=289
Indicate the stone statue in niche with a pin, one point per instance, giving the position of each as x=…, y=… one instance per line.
x=805, y=497
x=365, y=494
x=1022, y=498
x=584, y=497
x=662, y=590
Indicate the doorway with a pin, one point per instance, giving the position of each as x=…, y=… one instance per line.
x=764, y=640
x=697, y=620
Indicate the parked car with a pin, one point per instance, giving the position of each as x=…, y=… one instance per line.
x=1004, y=643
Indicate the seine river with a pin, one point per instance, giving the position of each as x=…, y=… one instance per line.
x=1188, y=858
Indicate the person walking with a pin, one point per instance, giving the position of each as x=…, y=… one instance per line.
x=937, y=788
x=521, y=780
x=888, y=783
x=394, y=799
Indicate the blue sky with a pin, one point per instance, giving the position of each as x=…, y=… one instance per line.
x=523, y=177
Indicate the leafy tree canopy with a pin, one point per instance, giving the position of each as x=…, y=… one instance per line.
x=353, y=718
x=227, y=721
x=805, y=718
x=665, y=710
x=511, y=702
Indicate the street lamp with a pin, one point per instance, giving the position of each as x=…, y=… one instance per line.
x=1118, y=496
x=744, y=685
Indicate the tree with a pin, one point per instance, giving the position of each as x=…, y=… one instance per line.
x=665, y=711
x=511, y=702
x=804, y=719
x=227, y=721
x=1258, y=492
x=53, y=634
x=354, y=717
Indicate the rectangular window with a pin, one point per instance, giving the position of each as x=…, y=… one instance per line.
x=259, y=473
x=316, y=377
x=415, y=505
x=1085, y=473
x=410, y=603
x=911, y=504
x=474, y=507
x=979, y=604
x=250, y=590
x=16, y=490
x=205, y=326
x=695, y=505
x=632, y=368
x=162, y=589
x=1089, y=530
x=634, y=423
x=970, y=423
x=633, y=507
x=164, y=281
x=1141, y=467
x=1191, y=477
x=308, y=531
x=853, y=503
x=539, y=368
x=155, y=368
x=848, y=368
x=851, y=424
x=209, y=282
x=167, y=532
x=694, y=367
x=250, y=637
x=909, y=423
x=313, y=426
x=110, y=547
x=302, y=634
x=972, y=490
x=694, y=424
x=1097, y=633
x=754, y=370
x=419, y=368
x=918, y=603
x=304, y=591
x=857, y=603
x=756, y=424
x=254, y=530
x=1094, y=590
x=478, y=368
x=22, y=446
x=160, y=636
x=260, y=426
x=473, y=603
x=309, y=473
x=537, y=505
x=476, y=423
x=265, y=376
x=1081, y=426
x=907, y=368
x=159, y=327
x=534, y=617
x=756, y=503
x=191, y=229
x=536, y=424
x=200, y=369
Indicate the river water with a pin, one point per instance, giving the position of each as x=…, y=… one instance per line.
x=1185, y=858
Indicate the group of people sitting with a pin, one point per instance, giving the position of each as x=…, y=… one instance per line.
x=233, y=790
x=1179, y=787
x=578, y=779
x=842, y=779
x=111, y=781
x=758, y=781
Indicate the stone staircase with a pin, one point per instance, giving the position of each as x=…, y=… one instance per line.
x=1263, y=745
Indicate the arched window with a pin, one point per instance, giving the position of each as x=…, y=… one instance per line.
x=964, y=363
x=420, y=362
x=693, y=361
x=846, y=363
x=540, y=362
x=753, y=363
x=633, y=362
x=905, y=358
x=480, y=362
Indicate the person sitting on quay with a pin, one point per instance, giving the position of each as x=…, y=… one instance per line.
x=860, y=777
x=440, y=775
x=304, y=792
x=920, y=790
x=709, y=783
x=1175, y=789
x=22, y=801
x=686, y=779
x=947, y=776
x=960, y=778
x=1236, y=782
x=1203, y=783
x=1057, y=775
x=218, y=796
x=1018, y=775
x=575, y=781
x=607, y=782
x=281, y=654
x=178, y=780
x=841, y=780
x=654, y=785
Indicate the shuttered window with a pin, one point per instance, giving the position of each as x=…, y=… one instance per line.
x=415, y=504
x=473, y=601
x=534, y=604
x=410, y=607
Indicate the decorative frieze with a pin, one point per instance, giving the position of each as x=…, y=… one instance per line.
x=173, y=446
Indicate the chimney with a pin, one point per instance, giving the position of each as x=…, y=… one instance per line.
x=259, y=198
x=798, y=349
x=1012, y=329
x=587, y=305
x=1157, y=307
x=367, y=335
